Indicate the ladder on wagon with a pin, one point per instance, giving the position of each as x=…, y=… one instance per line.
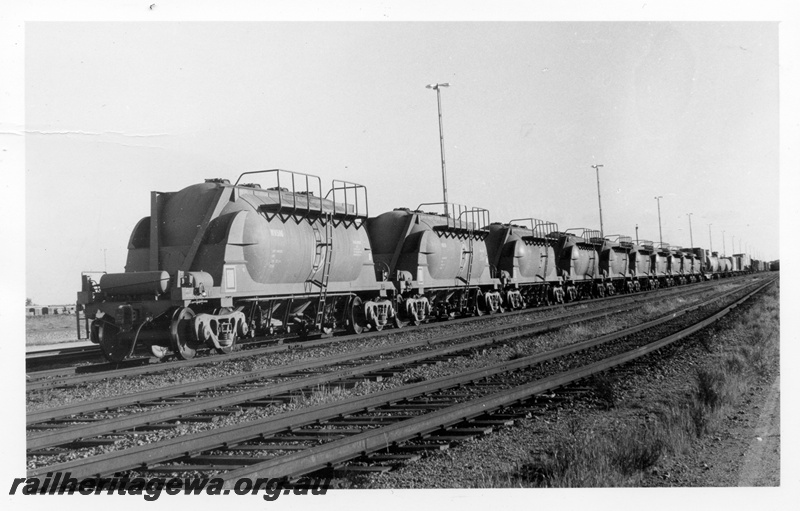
x=475, y=219
x=322, y=259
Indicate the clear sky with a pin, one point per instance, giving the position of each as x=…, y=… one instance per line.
x=687, y=111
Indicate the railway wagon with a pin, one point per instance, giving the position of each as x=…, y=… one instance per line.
x=641, y=265
x=677, y=265
x=659, y=264
x=615, y=264
x=711, y=264
x=578, y=259
x=437, y=263
x=694, y=257
x=523, y=259
x=743, y=262
x=215, y=262
x=725, y=265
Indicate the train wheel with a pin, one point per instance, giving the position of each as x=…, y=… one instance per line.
x=599, y=291
x=115, y=347
x=356, y=320
x=224, y=350
x=179, y=333
x=480, y=304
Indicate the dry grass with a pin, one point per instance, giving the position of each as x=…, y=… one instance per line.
x=740, y=357
x=50, y=329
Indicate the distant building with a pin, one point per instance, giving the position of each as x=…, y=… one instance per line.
x=44, y=310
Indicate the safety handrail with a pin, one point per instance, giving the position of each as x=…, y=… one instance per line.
x=346, y=186
x=294, y=192
x=539, y=228
x=590, y=235
x=478, y=218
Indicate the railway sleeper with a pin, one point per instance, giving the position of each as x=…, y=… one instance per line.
x=224, y=460
x=193, y=418
x=363, y=422
x=263, y=402
x=329, y=432
x=492, y=422
x=268, y=447
x=149, y=427
x=80, y=444
x=305, y=437
x=166, y=469
x=451, y=439
x=362, y=468
x=460, y=432
x=378, y=458
x=423, y=447
x=418, y=406
x=48, y=452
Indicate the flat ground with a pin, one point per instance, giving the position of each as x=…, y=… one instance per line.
x=50, y=329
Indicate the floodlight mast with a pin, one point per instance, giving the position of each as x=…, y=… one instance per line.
x=599, y=203
x=710, y=243
x=660, y=238
x=437, y=87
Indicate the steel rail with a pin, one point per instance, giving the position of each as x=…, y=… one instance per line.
x=63, y=351
x=142, y=456
x=539, y=326
x=139, y=370
x=57, y=437
x=337, y=451
x=142, y=365
x=180, y=411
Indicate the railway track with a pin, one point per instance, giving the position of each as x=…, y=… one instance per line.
x=39, y=363
x=38, y=360
x=77, y=375
x=442, y=410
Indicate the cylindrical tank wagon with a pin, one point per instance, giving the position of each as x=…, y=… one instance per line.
x=660, y=264
x=641, y=265
x=578, y=256
x=438, y=263
x=523, y=259
x=616, y=264
x=215, y=262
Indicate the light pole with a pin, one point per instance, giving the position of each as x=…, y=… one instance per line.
x=437, y=87
x=691, y=238
x=660, y=240
x=723, y=243
x=599, y=204
x=710, y=247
